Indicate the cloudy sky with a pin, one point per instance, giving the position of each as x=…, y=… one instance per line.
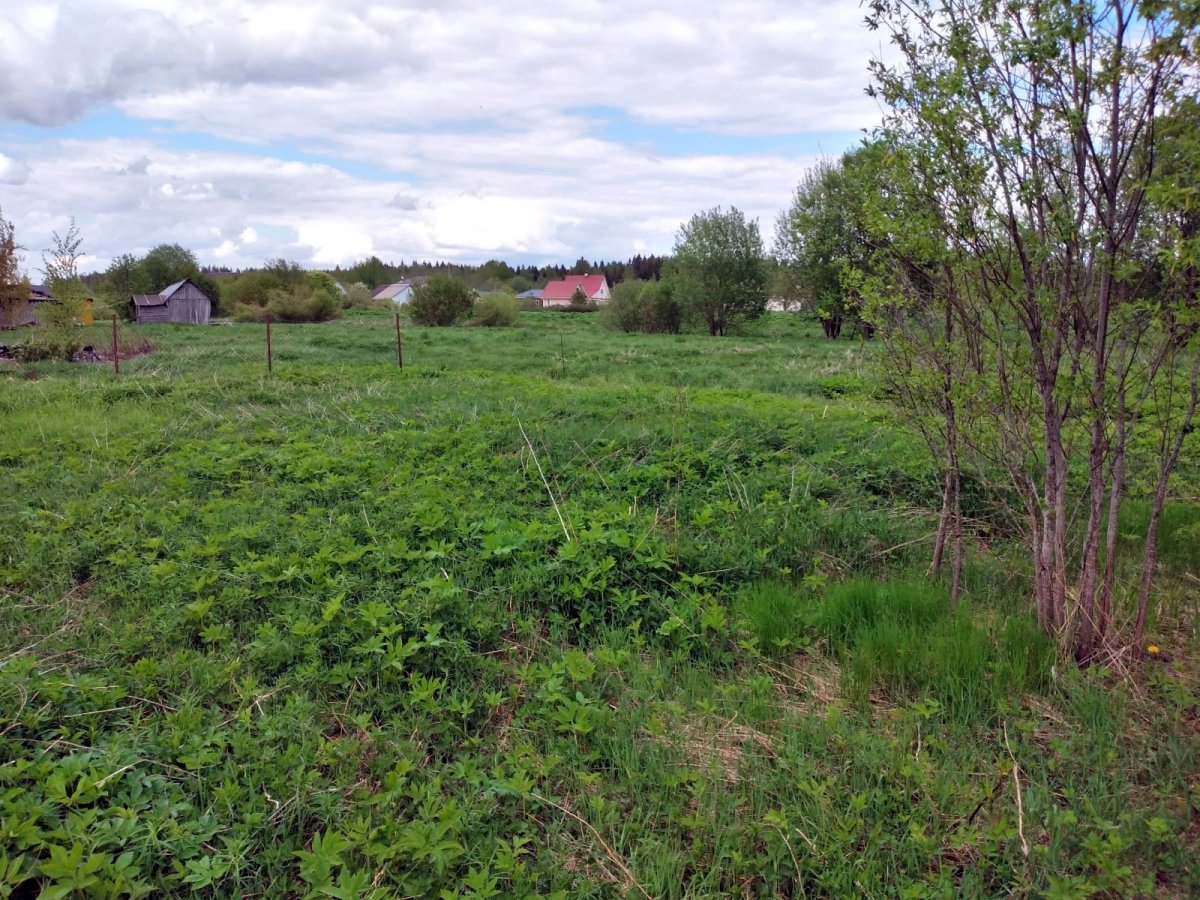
x=451, y=129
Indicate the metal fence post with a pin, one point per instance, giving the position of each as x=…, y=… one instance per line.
x=116, y=348
x=270, y=367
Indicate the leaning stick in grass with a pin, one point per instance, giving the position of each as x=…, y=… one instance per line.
x=1016, y=771
x=533, y=453
x=612, y=854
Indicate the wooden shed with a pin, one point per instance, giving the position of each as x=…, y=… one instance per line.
x=24, y=313
x=181, y=302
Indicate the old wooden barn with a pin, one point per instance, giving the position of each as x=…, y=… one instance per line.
x=181, y=302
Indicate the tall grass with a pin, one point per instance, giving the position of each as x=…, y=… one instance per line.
x=900, y=639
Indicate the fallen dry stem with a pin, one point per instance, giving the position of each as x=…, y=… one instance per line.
x=612, y=854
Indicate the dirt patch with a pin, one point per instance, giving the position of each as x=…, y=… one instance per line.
x=92, y=354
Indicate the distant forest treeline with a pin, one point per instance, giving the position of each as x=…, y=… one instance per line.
x=374, y=272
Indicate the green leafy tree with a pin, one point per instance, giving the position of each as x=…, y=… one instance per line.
x=718, y=273
x=819, y=244
x=372, y=272
x=168, y=263
x=441, y=301
x=125, y=276
x=1028, y=135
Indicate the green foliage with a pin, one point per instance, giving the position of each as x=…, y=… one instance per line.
x=624, y=311
x=643, y=306
x=820, y=243
x=162, y=266
x=441, y=300
x=331, y=637
x=496, y=311
x=777, y=615
x=315, y=299
x=718, y=272
x=358, y=296
x=14, y=289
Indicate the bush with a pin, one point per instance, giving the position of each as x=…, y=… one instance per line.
x=244, y=312
x=303, y=305
x=441, y=301
x=648, y=307
x=625, y=310
x=358, y=296
x=591, y=306
x=315, y=299
x=662, y=310
x=496, y=311
x=57, y=337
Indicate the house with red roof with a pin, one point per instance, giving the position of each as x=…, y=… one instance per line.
x=559, y=293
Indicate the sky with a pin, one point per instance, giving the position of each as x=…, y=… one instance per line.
x=461, y=130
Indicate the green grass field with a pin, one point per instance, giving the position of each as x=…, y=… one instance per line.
x=551, y=612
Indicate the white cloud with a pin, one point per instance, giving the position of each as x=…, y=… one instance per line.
x=224, y=250
x=12, y=171
x=459, y=130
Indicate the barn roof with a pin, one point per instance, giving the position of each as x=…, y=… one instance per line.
x=563, y=290
x=148, y=300
x=166, y=292
x=390, y=291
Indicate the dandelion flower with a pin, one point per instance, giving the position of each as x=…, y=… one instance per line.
x=1152, y=649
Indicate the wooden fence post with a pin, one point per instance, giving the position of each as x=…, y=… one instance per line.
x=116, y=349
x=399, y=346
x=270, y=367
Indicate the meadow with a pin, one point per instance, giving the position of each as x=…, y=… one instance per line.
x=550, y=612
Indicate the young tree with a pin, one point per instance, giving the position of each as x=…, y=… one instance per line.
x=14, y=289
x=61, y=262
x=60, y=265
x=1029, y=131
x=718, y=273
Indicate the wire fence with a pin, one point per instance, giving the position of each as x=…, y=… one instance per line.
x=270, y=346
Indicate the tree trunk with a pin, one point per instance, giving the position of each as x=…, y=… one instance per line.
x=1166, y=466
x=956, y=575
x=939, y=543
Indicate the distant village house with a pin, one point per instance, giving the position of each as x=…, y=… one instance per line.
x=399, y=292
x=181, y=302
x=559, y=293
